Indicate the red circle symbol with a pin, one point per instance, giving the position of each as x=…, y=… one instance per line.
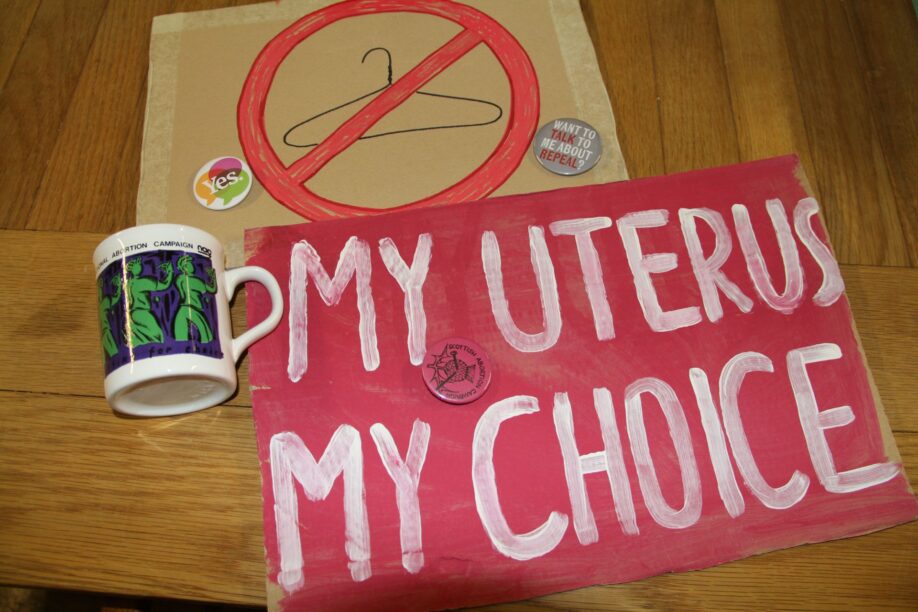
x=286, y=183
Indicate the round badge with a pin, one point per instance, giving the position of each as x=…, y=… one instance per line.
x=222, y=183
x=567, y=146
x=456, y=370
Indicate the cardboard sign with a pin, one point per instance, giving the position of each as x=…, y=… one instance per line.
x=675, y=382
x=358, y=107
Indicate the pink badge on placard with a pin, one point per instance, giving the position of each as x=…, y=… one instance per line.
x=456, y=370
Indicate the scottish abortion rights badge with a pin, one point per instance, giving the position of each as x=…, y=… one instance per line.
x=222, y=183
x=456, y=370
x=567, y=146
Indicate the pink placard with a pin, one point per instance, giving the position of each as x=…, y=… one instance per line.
x=675, y=383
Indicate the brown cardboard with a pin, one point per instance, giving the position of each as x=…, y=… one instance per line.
x=198, y=62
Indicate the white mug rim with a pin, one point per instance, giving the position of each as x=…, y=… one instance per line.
x=151, y=227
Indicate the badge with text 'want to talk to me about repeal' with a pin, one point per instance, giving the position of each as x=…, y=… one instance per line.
x=674, y=381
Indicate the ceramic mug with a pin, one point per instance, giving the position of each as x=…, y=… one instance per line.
x=164, y=319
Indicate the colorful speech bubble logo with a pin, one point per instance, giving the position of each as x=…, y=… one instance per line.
x=222, y=183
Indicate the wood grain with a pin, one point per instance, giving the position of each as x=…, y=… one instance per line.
x=766, y=110
x=15, y=20
x=107, y=104
x=858, y=201
x=621, y=35
x=887, y=32
x=884, y=302
x=35, y=99
x=692, y=86
x=167, y=507
x=171, y=508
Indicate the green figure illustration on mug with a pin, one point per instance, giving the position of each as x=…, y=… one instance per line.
x=144, y=327
x=191, y=312
x=158, y=303
x=106, y=303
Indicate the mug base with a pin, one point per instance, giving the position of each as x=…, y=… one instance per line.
x=171, y=395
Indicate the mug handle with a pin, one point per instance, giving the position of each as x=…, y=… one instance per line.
x=259, y=275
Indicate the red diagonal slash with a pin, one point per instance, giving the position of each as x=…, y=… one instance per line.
x=287, y=183
x=347, y=133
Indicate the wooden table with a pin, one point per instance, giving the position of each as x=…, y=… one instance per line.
x=171, y=507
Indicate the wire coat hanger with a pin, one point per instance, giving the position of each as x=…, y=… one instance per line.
x=500, y=111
